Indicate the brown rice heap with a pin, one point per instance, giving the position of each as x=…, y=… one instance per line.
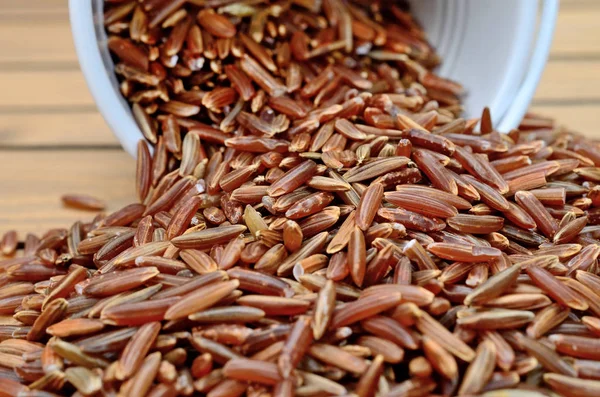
x=316, y=220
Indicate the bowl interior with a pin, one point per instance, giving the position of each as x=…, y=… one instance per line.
x=484, y=44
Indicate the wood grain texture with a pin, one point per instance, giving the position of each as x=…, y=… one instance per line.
x=568, y=81
x=587, y=4
x=576, y=33
x=44, y=88
x=34, y=9
x=39, y=41
x=33, y=182
x=50, y=127
x=32, y=5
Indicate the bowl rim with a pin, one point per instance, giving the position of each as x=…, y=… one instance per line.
x=538, y=60
x=96, y=64
x=88, y=36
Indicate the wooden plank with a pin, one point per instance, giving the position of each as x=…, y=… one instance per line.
x=577, y=32
x=581, y=118
x=34, y=10
x=44, y=88
x=33, y=4
x=37, y=42
x=33, y=182
x=55, y=129
x=569, y=4
x=570, y=80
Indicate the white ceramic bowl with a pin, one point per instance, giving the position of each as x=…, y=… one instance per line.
x=496, y=49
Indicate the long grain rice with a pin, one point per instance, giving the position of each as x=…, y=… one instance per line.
x=315, y=219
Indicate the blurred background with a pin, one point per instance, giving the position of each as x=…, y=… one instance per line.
x=54, y=141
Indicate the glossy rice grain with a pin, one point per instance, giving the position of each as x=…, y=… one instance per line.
x=315, y=219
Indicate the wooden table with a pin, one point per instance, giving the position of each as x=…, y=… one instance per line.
x=53, y=141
